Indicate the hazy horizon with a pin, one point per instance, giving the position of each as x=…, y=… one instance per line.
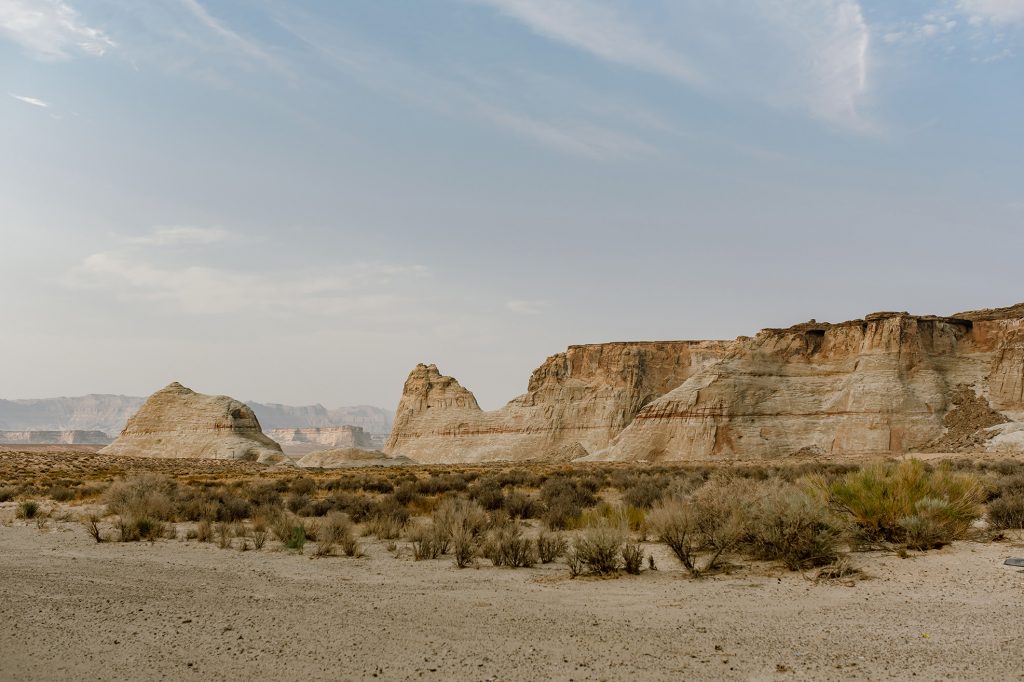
x=298, y=202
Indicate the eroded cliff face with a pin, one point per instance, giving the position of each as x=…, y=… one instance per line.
x=575, y=403
x=178, y=422
x=888, y=384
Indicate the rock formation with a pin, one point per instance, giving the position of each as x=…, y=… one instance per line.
x=349, y=457
x=327, y=436
x=54, y=438
x=178, y=422
x=576, y=402
x=887, y=384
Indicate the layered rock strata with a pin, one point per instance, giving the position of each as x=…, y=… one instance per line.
x=887, y=384
x=576, y=403
x=176, y=422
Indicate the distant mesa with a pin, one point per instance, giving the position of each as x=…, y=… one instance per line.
x=176, y=422
x=302, y=441
x=74, y=437
x=887, y=384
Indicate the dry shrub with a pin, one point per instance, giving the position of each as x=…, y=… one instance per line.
x=204, y=531
x=506, y=546
x=289, y=531
x=461, y=522
x=788, y=524
x=336, y=530
x=427, y=543
x=597, y=549
x=260, y=532
x=632, y=557
x=8, y=492
x=92, y=526
x=143, y=504
x=906, y=503
x=710, y=523
x=388, y=519
x=28, y=509
x=564, y=500
x=550, y=546
x=645, y=492
x=223, y=535
x=1007, y=511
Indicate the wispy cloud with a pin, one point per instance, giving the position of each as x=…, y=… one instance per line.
x=30, y=100
x=50, y=29
x=179, y=235
x=233, y=40
x=812, y=55
x=995, y=11
x=600, y=30
x=355, y=288
x=466, y=94
x=520, y=307
x=587, y=140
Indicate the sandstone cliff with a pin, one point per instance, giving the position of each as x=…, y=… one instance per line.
x=178, y=422
x=887, y=384
x=576, y=402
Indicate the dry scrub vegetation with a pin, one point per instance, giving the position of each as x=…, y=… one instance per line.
x=599, y=519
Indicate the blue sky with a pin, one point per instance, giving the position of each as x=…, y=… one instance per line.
x=298, y=201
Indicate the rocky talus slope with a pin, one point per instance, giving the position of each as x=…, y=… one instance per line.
x=178, y=422
x=575, y=404
x=890, y=383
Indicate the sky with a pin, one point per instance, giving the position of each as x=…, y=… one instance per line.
x=296, y=201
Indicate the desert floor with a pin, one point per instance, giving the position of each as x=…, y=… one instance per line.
x=72, y=609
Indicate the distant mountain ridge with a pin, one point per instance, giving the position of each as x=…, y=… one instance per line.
x=109, y=414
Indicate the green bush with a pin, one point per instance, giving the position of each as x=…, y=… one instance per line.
x=788, y=524
x=906, y=503
x=1007, y=511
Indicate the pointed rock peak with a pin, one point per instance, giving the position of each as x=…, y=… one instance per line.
x=177, y=388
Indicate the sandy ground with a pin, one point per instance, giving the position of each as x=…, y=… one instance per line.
x=72, y=609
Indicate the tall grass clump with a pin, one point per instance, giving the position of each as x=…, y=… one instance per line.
x=905, y=503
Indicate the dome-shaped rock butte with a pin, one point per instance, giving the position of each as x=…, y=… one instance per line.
x=177, y=422
x=888, y=384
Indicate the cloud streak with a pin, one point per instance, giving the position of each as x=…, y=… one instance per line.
x=600, y=30
x=30, y=100
x=51, y=30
